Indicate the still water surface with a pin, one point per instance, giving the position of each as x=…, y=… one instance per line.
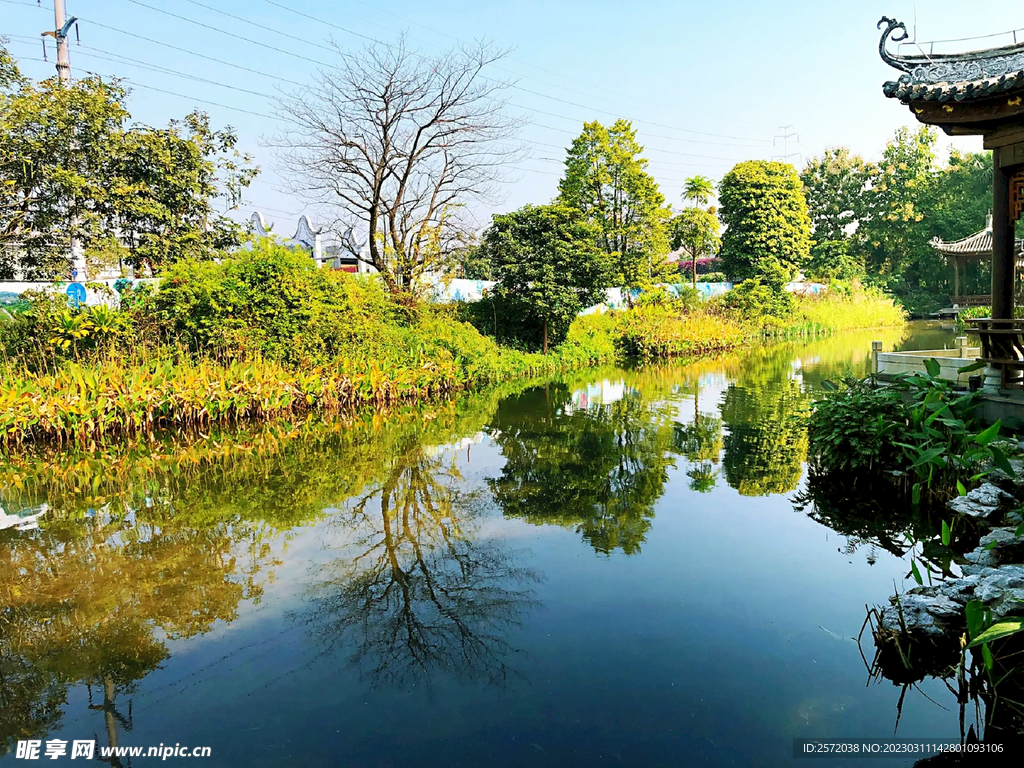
x=607, y=570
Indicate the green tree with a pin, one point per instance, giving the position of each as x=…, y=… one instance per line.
x=699, y=189
x=164, y=182
x=835, y=188
x=606, y=178
x=768, y=230
x=55, y=147
x=547, y=265
x=696, y=232
x=893, y=234
x=71, y=165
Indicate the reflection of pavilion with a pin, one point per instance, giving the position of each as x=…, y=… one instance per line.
x=977, y=247
x=978, y=93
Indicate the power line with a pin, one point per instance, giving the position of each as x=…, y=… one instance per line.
x=512, y=86
x=603, y=88
x=190, y=53
x=232, y=34
x=118, y=59
x=348, y=31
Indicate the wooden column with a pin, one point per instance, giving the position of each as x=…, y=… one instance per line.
x=956, y=280
x=1002, y=238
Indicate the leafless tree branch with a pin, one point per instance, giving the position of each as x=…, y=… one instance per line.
x=396, y=144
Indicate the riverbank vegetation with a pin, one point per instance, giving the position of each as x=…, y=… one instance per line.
x=239, y=329
x=265, y=333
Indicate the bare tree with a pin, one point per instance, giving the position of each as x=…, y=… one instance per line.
x=397, y=143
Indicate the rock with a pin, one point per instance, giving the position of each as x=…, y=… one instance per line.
x=1000, y=537
x=962, y=505
x=1005, y=576
x=1009, y=605
x=1014, y=517
x=981, y=559
x=934, y=616
x=989, y=495
x=1000, y=545
x=1013, y=483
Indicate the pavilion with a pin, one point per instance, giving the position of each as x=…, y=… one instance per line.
x=976, y=247
x=978, y=93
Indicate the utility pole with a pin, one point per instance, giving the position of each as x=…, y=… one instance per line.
x=61, y=26
x=785, y=134
x=60, y=35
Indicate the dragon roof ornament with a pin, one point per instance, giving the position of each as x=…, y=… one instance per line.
x=928, y=69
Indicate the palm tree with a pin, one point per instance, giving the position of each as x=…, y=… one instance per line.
x=699, y=189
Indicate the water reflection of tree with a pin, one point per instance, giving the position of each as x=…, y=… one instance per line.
x=767, y=441
x=420, y=593
x=598, y=470
x=82, y=603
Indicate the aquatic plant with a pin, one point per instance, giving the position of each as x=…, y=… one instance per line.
x=918, y=428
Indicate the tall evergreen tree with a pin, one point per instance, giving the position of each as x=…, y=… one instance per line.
x=606, y=178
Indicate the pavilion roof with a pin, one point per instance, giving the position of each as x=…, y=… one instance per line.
x=951, y=77
x=976, y=246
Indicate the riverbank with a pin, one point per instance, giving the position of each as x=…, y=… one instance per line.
x=265, y=336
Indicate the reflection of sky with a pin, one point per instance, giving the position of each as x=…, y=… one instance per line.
x=723, y=639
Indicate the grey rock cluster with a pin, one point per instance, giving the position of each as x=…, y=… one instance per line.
x=987, y=502
x=991, y=577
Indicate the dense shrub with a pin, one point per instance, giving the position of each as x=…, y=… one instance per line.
x=269, y=300
x=919, y=426
x=754, y=300
x=854, y=429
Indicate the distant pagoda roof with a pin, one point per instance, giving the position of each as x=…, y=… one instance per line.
x=950, y=77
x=976, y=246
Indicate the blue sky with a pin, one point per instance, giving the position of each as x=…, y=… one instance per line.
x=706, y=84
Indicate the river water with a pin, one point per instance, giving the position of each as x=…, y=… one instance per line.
x=612, y=569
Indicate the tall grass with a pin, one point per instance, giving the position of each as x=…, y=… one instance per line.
x=653, y=332
x=834, y=311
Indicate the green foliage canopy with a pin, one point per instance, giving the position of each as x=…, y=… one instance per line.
x=72, y=165
x=768, y=230
x=607, y=179
x=547, y=265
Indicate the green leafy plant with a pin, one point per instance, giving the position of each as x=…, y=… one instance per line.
x=919, y=426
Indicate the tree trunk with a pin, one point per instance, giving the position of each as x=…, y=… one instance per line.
x=545, y=335
x=695, y=272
